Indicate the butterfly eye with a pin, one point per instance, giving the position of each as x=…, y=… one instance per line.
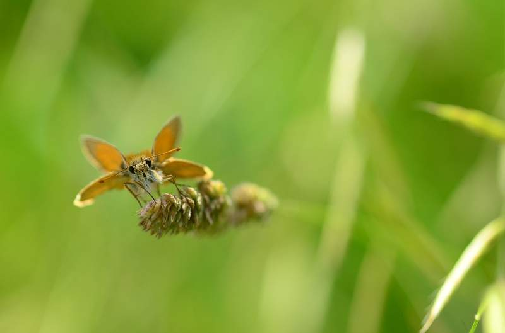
x=131, y=169
x=148, y=162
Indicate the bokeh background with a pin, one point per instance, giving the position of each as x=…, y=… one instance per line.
x=315, y=100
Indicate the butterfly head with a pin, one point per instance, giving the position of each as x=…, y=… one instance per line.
x=144, y=172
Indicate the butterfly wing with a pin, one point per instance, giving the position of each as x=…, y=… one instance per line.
x=102, y=155
x=180, y=168
x=101, y=185
x=167, y=138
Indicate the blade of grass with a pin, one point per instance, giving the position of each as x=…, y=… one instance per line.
x=494, y=315
x=348, y=176
x=474, y=120
x=47, y=42
x=478, y=316
x=397, y=227
x=481, y=242
x=371, y=289
x=500, y=111
x=336, y=231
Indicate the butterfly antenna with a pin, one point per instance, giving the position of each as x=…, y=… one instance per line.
x=173, y=150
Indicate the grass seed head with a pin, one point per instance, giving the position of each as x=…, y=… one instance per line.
x=208, y=209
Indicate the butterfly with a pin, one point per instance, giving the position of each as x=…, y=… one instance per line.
x=139, y=173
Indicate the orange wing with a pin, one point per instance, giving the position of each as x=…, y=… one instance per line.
x=101, y=185
x=185, y=169
x=167, y=138
x=102, y=155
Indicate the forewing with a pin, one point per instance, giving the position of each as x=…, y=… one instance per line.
x=102, y=155
x=101, y=185
x=180, y=168
x=167, y=138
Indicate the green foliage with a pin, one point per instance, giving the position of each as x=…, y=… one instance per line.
x=314, y=100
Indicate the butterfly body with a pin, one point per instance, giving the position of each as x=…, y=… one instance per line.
x=140, y=173
x=145, y=175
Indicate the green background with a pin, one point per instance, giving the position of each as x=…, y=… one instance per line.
x=251, y=81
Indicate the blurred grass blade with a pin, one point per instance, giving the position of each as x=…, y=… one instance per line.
x=345, y=74
x=472, y=253
x=336, y=231
x=347, y=66
x=474, y=120
x=383, y=155
x=494, y=316
x=397, y=228
x=39, y=62
x=478, y=316
x=371, y=289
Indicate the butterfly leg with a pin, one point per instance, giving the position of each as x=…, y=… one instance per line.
x=145, y=189
x=181, y=193
x=168, y=178
x=171, y=179
x=131, y=191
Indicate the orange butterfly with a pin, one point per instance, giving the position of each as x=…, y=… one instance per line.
x=138, y=173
